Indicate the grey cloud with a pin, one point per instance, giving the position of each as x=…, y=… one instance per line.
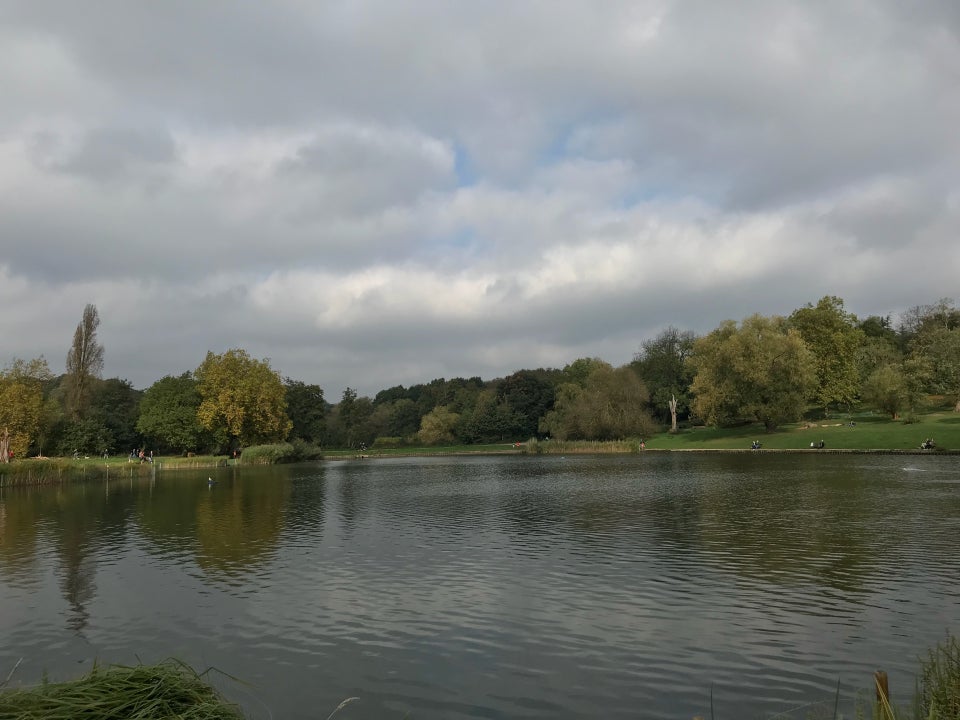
x=356, y=171
x=120, y=153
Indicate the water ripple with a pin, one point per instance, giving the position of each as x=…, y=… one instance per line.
x=498, y=587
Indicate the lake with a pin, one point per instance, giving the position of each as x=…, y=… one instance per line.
x=497, y=587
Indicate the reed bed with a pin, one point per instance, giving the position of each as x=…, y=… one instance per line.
x=49, y=471
x=938, y=687
x=581, y=447
x=144, y=692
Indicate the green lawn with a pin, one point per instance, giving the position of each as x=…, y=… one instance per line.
x=868, y=432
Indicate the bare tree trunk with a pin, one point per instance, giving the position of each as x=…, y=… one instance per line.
x=673, y=413
x=5, y=446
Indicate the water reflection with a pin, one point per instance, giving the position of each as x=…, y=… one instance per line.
x=20, y=511
x=306, y=503
x=83, y=520
x=239, y=525
x=229, y=529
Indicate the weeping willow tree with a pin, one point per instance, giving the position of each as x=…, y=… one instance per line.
x=760, y=370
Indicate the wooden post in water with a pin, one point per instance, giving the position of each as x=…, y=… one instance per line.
x=884, y=709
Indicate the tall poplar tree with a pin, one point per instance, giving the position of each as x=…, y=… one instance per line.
x=84, y=363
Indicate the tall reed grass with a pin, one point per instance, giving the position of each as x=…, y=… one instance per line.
x=581, y=447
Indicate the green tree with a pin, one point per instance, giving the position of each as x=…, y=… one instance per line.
x=489, y=419
x=887, y=389
x=84, y=363
x=241, y=399
x=21, y=405
x=437, y=426
x=529, y=396
x=404, y=418
x=115, y=404
x=349, y=418
x=611, y=405
x=306, y=409
x=876, y=326
x=938, y=349
x=168, y=415
x=832, y=335
x=761, y=370
x=84, y=437
x=663, y=364
x=579, y=370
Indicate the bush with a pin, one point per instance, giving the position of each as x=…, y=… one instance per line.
x=388, y=442
x=267, y=454
x=304, y=451
x=297, y=451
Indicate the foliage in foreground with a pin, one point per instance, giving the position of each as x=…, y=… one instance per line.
x=144, y=692
x=938, y=687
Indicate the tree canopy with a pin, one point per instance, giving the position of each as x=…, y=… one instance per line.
x=21, y=405
x=761, y=370
x=168, y=414
x=832, y=335
x=663, y=364
x=305, y=408
x=611, y=405
x=84, y=363
x=241, y=399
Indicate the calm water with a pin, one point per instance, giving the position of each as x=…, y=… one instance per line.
x=500, y=587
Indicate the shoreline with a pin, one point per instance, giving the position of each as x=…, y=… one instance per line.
x=585, y=451
x=58, y=473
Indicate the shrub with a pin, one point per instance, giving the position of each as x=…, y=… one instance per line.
x=296, y=451
x=268, y=454
x=388, y=442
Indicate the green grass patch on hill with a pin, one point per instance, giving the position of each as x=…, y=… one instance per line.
x=859, y=431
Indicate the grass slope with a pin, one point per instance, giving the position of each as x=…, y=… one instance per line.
x=867, y=432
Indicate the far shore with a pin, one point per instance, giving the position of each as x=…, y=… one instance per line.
x=420, y=452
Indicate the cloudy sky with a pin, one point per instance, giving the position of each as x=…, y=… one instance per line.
x=373, y=192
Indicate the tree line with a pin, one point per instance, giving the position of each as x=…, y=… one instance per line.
x=766, y=369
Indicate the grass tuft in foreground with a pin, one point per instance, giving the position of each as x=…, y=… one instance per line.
x=938, y=687
x=144, y=692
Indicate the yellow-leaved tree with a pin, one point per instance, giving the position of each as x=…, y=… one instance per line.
x=21, y=405
x=242, y=400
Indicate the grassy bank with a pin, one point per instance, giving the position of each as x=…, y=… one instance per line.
x=862, y=431
x=859, y=432
x=856, y=432
x=479, y=449
x=45, y=471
